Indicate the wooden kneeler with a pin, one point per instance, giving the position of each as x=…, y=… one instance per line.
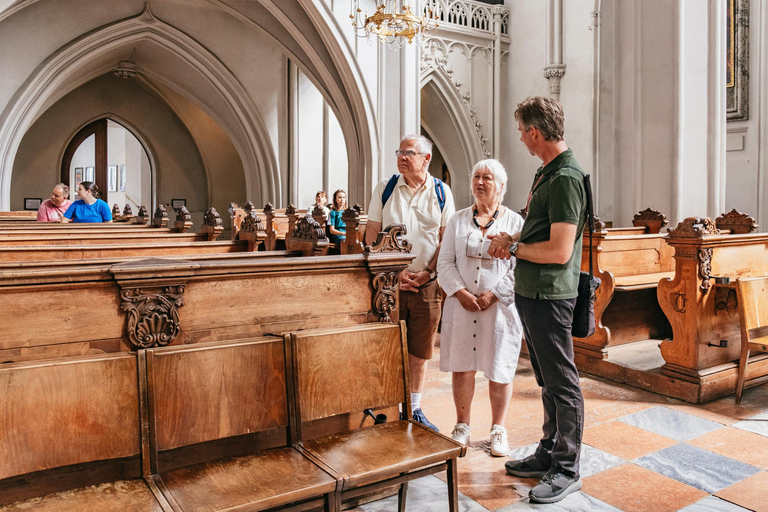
x=341, y=373
x=752, y=295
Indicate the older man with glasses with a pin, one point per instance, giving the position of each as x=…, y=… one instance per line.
x=51, y=210
x=423, y=204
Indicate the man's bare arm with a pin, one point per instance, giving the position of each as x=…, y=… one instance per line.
x=557, y=249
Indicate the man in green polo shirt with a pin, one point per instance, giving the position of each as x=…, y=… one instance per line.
x=548, y=252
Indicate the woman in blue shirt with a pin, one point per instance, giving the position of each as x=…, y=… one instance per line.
x=88, y=207
x=336, y=226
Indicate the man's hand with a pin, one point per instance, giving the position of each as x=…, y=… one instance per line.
x=410, y=281
x=486, y=300
x=499, y=247
x=468, y=301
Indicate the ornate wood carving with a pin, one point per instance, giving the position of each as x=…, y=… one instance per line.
x=652, y=220
x=251, y=223
x=308, y=237
x=160, y=218
x=385, y=299
x=680, y=302
x=249, y=207
x=212, y=218
x=269, y=208
x=143, y=216
x=115, y=211
x=127, y=211
x=650, y=214
x=153, y=318
x=390, y=240
x=351, y=244
x=252, y=228
x=350, y=214
x=183, y=220
x=358, y=208
x=291, y=210
x=736, y=222
x=270, y=242
x=705, y=268
x=694, y=227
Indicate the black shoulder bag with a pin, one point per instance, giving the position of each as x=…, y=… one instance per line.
x=584, y=313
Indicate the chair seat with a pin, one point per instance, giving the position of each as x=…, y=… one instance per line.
x=120, y=496
x=378, y=452
x=270, y=478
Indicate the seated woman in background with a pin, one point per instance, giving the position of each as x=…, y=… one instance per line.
x=88, y=207
x=481, y=329
x=321, y=199
x=336, y=227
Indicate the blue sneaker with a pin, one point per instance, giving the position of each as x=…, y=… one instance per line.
x=418, y=415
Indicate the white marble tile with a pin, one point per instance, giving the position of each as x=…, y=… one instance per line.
x=757, y=424
x=713, y=504
x=428, y=494
x=670, y=423
x=698, y=468
x=592, y=460
x=576, y=502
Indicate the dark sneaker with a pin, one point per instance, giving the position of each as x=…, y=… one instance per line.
x=418, y=415
x=529, y=467
x=553, y=487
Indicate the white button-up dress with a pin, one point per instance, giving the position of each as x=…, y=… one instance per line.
x=488, y=340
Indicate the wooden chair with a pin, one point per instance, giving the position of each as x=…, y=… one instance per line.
x=70, y=436
x=339, y=374
x=220, y=425
x=752, y=295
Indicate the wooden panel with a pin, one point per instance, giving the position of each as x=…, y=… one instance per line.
x=68, y=412
x=208, y=391
x=121, y=496
x=111, y=238
x=753, y=305
x=43, y=253
x=348, y=370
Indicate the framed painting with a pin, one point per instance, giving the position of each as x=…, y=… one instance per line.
x=78, y=176
x=32, y=203
x=121, y=179
x=737, y=60
x=90, y=174
x=176, y=204
x=112, y=178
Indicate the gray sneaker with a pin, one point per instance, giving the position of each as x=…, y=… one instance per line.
x=553, y=487
x=529, y=467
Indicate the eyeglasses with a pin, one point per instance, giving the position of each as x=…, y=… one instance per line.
x=479, y=249
x=407, y=153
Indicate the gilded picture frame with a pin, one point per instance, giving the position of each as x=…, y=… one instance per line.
x=737, y=60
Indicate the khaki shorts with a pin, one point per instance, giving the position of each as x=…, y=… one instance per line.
x=421, y=312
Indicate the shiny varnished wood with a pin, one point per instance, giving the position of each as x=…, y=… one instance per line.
x=753, y=319
x=119, y=237
x=119, y=496
x=88, y=251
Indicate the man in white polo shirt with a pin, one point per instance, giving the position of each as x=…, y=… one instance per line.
x=423, y=204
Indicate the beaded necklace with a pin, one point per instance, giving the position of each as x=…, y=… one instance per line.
x=490, y=222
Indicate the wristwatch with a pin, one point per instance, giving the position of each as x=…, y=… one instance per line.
x=432, y=274
x=513, y=249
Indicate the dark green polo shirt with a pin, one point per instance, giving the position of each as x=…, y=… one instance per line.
x=558, y=196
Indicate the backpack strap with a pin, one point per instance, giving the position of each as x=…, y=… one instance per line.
x=440, y=193
x=391, y=184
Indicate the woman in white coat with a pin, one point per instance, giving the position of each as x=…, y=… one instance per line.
x=481, y=329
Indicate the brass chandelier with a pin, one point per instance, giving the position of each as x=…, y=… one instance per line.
x=393, y=22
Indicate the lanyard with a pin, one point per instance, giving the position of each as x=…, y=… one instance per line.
x=530, y=194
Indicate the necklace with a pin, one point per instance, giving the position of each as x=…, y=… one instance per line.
x=490, y=222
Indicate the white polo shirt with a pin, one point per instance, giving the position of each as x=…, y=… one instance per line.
x=419, y=211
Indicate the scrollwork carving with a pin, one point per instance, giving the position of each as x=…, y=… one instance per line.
x=650, y=215
x=705, y=268
x=350, y=214
x=694, y=227
x=308, y=229
x=212, y=218
x=251, y=223
x=385, y=298
x=152, y=317
x=736, y=222
x=390, y=240
x=183, y=215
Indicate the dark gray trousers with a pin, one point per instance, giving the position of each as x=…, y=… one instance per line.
x=547, y=329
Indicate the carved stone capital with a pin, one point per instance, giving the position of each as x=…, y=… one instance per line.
x=160, y=218
x=385, y=298
x=390, y=240
x=736, y=222
x=152, y=315
x=694, y=227
x=554, y=73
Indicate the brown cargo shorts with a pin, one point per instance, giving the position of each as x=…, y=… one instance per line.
x=421, y=312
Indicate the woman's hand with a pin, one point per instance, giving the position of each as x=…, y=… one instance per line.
x=486, y=300
x=468, y=301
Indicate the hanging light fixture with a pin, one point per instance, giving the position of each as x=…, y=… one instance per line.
x=393, y=22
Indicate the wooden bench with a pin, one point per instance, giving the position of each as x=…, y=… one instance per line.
x=341, y=373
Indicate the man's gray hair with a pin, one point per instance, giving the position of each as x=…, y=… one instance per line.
x=423, y=143
x=64, y=188
x=499, y=175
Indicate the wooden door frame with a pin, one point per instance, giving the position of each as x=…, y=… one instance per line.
x=99, y=129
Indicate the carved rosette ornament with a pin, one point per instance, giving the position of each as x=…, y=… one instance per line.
x=736, y=222
x=385, y=298
x=212, y=218
x=390, y=240
x=127, y=211
x=705, y=268
x=694, y=227
x=183, y=215
x=153, y=318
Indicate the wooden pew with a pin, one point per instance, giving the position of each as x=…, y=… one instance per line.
x=339, y=374
x=100, y=238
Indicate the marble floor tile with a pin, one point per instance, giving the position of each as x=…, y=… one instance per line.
x=631, y=488
x=751, y=493
x=426, y=494
x=696, y=467
x=625, y=441
x=592, y=460
x=757, y=424
x=669, y=423
x=723, y=411
x=576, y=502
x=713, y=504
x=736, y=443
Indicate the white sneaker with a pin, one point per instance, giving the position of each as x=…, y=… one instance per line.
x=499, y=444
x=460, y=433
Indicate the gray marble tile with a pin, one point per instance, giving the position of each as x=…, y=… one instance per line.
x=428, y=494
x=757, y=424
x=670, y=423
x=576, y=502
x=698, y=468
x=592, y=460
x=713, y=504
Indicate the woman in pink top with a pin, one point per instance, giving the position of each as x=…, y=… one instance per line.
x=53, y=209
